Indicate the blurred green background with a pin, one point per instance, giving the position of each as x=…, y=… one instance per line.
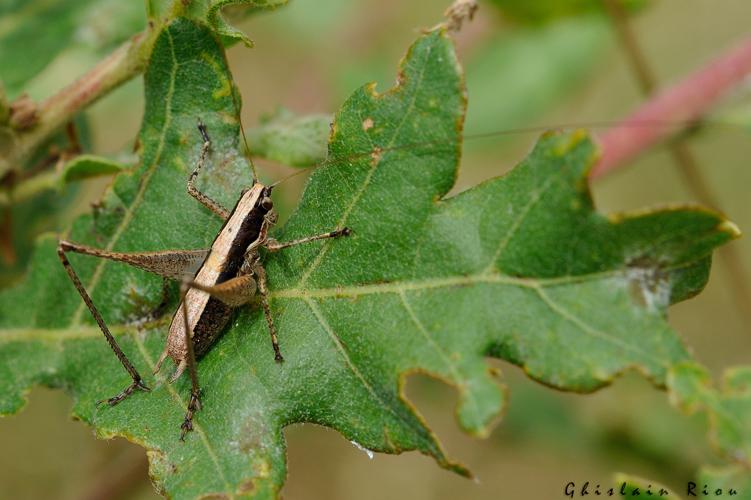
x=522, y=70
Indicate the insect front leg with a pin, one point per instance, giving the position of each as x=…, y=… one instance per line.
x=204, y=199
x=260, y=273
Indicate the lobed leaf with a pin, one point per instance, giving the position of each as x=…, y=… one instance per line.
x=520, y=267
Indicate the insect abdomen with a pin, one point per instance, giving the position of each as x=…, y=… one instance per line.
x=211, y=325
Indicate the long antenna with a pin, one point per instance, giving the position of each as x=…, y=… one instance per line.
x=246, y=153
x=685, y=124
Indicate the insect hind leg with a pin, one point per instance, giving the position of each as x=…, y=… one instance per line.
x=122, y=395
x=137, y=383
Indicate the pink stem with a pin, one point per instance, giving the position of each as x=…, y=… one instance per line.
x=684, y=102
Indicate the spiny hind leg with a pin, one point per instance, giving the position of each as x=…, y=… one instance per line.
x=233, y=292
x=137, y=383
x=168, y=264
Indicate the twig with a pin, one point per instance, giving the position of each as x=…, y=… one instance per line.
x=123, y=64
x=644, y=75
x=458, y=12
x=686, y=101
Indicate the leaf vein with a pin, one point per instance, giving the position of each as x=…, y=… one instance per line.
x=534, y=199
x=462, y=382
x=591, y=330
x=366, y=182
x=340, y=347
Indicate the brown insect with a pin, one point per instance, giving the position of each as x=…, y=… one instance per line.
x=213, y=281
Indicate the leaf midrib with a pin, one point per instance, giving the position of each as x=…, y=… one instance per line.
x=371, y=172
x=462, y=281
x=354, y=291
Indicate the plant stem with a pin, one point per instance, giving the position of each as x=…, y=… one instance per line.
x=686, y=101
x=123, y=64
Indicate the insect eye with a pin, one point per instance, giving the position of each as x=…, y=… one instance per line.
x=266, y=203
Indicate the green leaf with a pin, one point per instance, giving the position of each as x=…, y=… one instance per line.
x=87, y=166
x=38, y=203
x=729, y=408
x=519, y=267
x=536, y=67
x=297, y=141
x=214, y=12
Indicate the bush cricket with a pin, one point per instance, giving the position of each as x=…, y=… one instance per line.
x=214, y=281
